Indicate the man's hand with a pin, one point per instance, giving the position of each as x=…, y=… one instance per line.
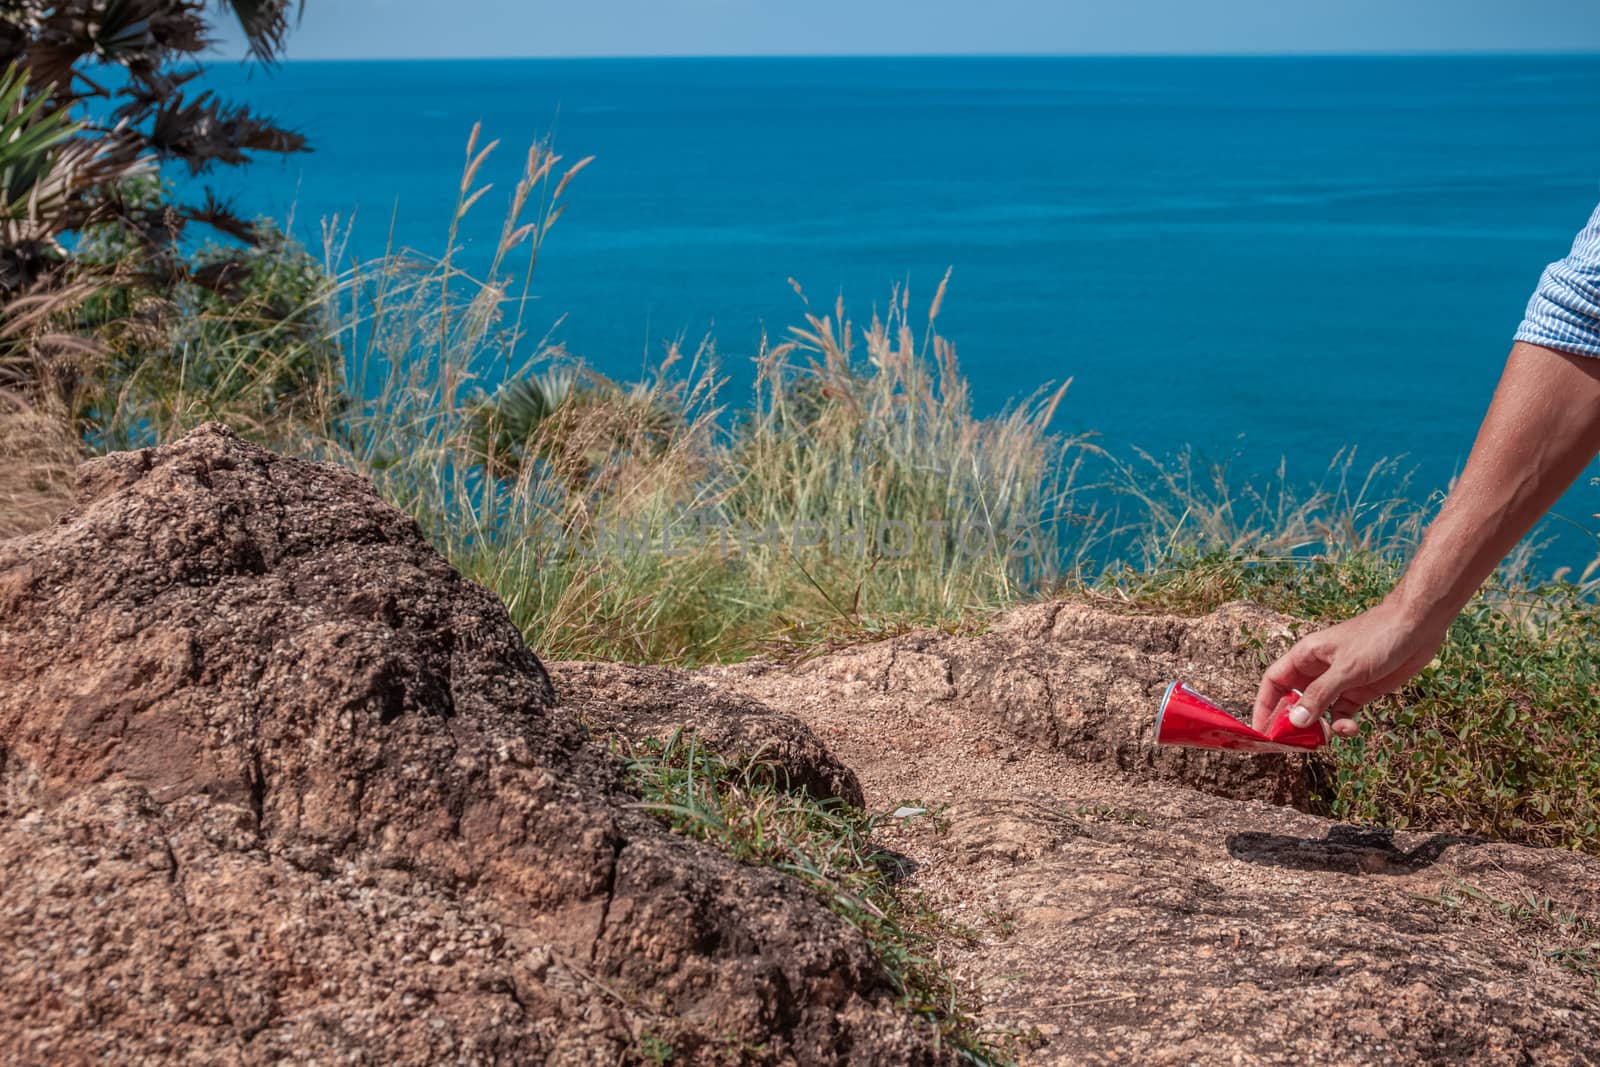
x=1341, y=668
x=1542, y=429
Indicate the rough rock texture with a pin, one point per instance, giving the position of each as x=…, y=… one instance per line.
x=275, y=781
x=638, y=702
x=1087, y=682
x=1127, y=920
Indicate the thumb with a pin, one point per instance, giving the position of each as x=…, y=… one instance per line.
x=1319, y=696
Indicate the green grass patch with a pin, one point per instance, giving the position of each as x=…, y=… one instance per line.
x=826, y=845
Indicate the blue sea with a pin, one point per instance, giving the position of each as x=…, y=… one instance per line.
x=1258, y=257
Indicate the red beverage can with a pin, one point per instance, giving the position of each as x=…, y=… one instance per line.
x=1188, y=719
x=1283, y=732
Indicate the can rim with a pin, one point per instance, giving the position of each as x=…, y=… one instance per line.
x=1162, y=710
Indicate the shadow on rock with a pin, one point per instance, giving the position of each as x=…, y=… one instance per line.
x=895, y=866
x=1346, y=849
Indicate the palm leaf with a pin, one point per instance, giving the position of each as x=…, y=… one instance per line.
x=206, y=130
x=265, y=24
x=46, y=170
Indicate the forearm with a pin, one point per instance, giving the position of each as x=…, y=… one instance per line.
x=1542, y=429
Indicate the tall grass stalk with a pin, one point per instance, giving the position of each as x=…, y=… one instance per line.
x=38, y=458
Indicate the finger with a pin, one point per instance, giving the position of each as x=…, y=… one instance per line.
x=1295, y=669
x=1322, y=694
x=1345, y=707
x=1343, y=714
x=1267, y=697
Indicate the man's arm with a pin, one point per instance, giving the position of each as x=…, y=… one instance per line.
x=1542, y=429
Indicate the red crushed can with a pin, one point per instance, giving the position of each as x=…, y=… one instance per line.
x=1186, y=718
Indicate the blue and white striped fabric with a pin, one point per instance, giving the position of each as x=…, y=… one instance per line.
x=1564, y=313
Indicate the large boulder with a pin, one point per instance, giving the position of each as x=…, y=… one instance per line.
x=276, y=782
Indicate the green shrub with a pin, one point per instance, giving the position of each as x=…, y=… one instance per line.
x=252, y=346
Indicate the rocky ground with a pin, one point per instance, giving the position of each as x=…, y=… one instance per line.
x=275, y=783
x=1120, y=915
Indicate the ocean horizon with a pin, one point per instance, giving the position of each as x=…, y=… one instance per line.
x=1264, y=258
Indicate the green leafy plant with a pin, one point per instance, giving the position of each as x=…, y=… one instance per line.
x=253, y=347
x=48, y=171
x=114, y=69
x=1499, y=735
x=95, y=93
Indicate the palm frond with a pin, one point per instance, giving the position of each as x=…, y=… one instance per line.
x=265, y=23
x=206, y=130
x=520, y=406
x=46, y=172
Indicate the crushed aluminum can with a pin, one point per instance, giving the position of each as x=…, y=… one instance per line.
x=1188, y=719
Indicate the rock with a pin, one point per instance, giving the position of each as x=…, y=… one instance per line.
x=638, y=702
x=276, y=782
x=1114, y=914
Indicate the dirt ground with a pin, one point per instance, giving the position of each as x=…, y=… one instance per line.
x=1117, y=915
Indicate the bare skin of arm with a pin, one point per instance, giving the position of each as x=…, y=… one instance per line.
x=1542, y=429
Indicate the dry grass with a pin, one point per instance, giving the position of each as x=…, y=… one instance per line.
x=647, y=522
x=1184, y=506
x=38, y=457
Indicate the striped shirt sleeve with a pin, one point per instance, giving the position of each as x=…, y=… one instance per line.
x=1564, y=313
